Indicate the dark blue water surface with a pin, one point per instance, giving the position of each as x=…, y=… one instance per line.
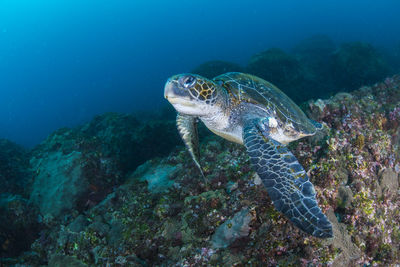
x=62, y=62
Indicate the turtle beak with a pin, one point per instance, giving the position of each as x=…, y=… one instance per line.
x=173, y=93
x=165, y=90
x=178, y=98
x=168, y=89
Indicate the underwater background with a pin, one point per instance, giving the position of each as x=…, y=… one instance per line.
x=62, y=62
x=93, y=171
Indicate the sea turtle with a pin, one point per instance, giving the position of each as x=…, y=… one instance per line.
x=251, y=111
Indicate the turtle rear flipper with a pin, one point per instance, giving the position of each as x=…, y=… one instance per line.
x=286, y=182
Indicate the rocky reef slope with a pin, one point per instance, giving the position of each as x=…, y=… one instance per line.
x=316, y=67
x=164, y=213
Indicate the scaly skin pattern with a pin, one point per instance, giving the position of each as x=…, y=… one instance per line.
x=246, y=88
x=286, y=181
x=245, y=109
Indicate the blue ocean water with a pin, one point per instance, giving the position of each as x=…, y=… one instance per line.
x=62, y=62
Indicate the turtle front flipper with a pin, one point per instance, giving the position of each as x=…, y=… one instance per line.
x=187, y=127
x=286, y=182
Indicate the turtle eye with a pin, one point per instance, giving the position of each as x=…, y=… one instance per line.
x=187, y=81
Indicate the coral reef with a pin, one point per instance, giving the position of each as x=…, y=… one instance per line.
x=358, y=166
x=211, y=69
x=165, y=213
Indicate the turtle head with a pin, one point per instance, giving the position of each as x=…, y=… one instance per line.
x=192, y=94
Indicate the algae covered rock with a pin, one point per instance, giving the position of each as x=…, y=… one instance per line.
x=19, y=226
x=158, y=177
x=349, y=252
x=76, y=168
x=283, y=70
x=276, y=66
x=356, y=64
x=315, y=55
x=132, y=140
x=317, y=47
x=396, y=58
x=71, y=173
x=58, y=260
x=15, y=175
x=166, y=214
x=345, y=197
x=362, y=143
x=59, y=183
x=232, y=229
x=18, y=218
x=389, y=181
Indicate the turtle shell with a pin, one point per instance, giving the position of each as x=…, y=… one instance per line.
x=249, y=88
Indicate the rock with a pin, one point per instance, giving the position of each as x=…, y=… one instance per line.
x=345, y=196
x=315, y=54
x=232, y=229
x=281, y=69
x=158, y=177
x=15, y=174
x=132, y=140
x=231, y=186
x=191, y=222
x=99, y=227
x=315, y=51
x=257, y=179
x=59, y=183
x=317, y=108
x=349, y=252
x=72, y=172
x=356, y=64
x=79, y=224
x=18, y=225
x=388, y=181
x=58, y=260
x=76, y=168
x=114, y=236
x=378, y=189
